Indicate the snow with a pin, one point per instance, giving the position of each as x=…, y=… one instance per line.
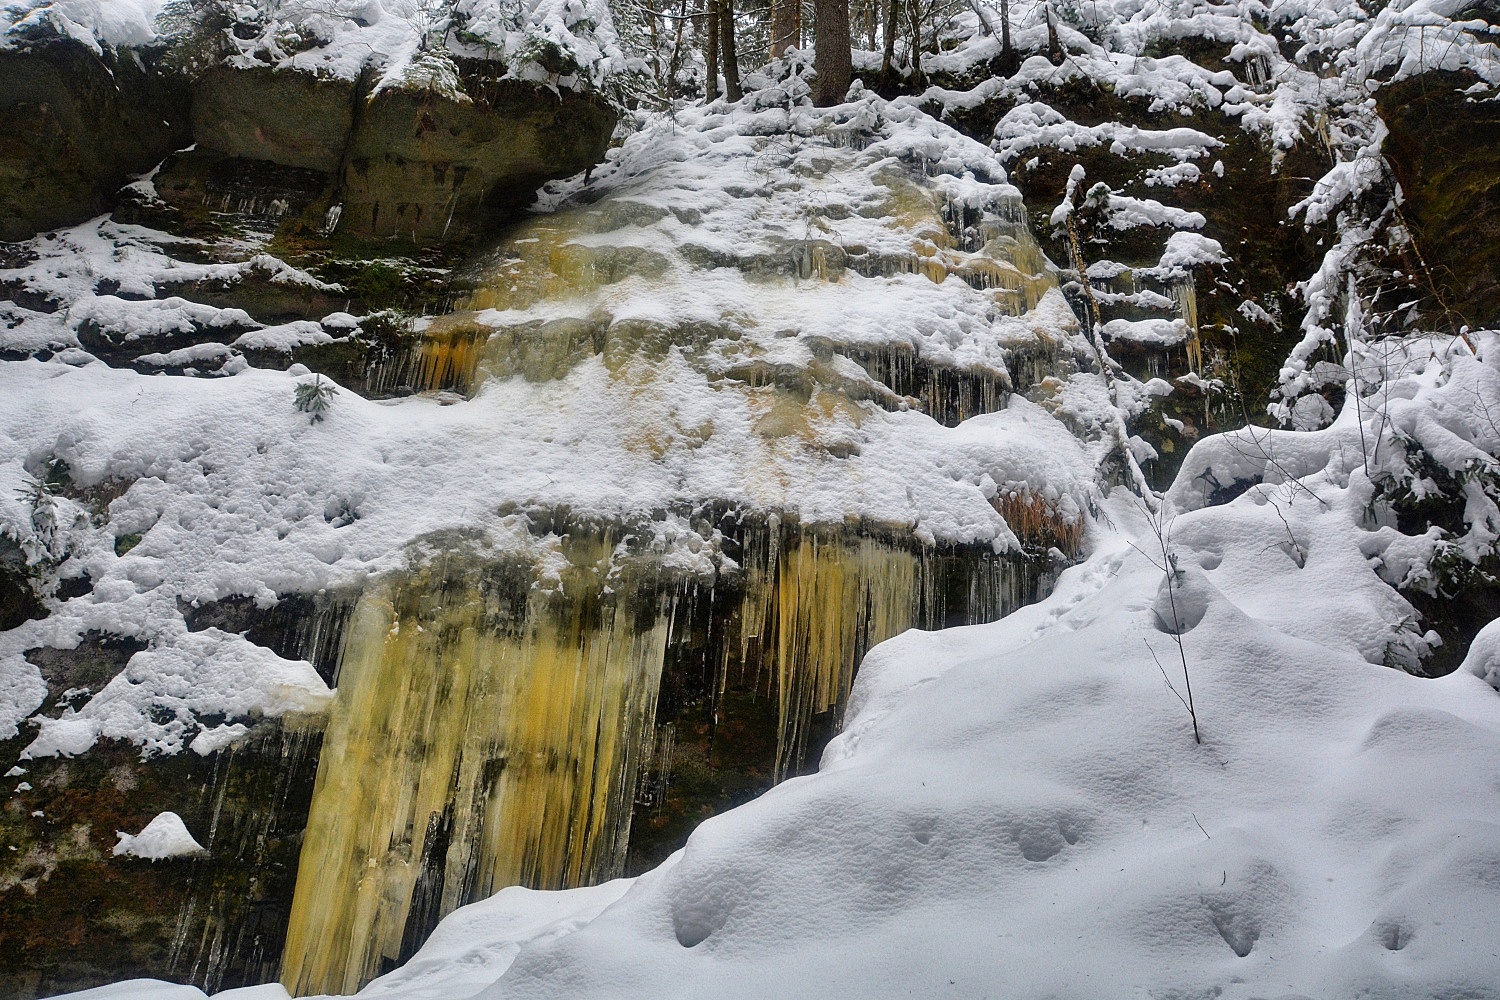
x=286, y=336
x=1186, y=251
x=1483, y=660
x=210, y=741
x=67, y=272
x=95, y=23
x=234, y=492
x=166, y=836
x=402, y=43
x=1158, y=332
x=1021, y=808
x=1033, y=124
x=1007, y=792
x=185, y=675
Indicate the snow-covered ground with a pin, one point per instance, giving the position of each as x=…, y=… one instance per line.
x=1021, y=810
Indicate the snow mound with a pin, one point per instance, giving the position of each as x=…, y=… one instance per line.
x=161, y=692
x=166, y=836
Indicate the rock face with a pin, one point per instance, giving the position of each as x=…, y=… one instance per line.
x=415, y=165
x=77, y=125
x=286, y=118
x=427, y=166
x=1444, y=147
x=430, y=169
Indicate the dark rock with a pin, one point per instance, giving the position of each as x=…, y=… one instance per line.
x=78, y=124
x=202, y=188
x=1444, y=147
x=78, y=917
x=91, y=665
x=284, y=147
x=278, y=149
x=18, y=602
x=287, y=118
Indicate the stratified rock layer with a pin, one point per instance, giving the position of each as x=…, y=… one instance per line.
x=289, y=148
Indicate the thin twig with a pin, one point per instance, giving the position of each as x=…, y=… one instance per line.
x=1164, y=674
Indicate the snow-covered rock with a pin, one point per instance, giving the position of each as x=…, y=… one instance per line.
x=166, y=836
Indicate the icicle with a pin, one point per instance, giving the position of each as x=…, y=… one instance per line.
x=1184, y=293
x=507, y=724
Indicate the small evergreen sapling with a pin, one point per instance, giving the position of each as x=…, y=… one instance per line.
x=41, y=546
x=314, y=397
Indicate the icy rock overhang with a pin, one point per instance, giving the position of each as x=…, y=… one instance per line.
x=393, y=120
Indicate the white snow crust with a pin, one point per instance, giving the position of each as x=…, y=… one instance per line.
x=405, y=43
x=166, y=836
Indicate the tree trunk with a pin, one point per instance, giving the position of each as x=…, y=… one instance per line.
x=1008, y=62
x=726, y=46
x=661, y=78
x=1055, y=51
x=831, y=57
x=676, y=63
x=914, y=11
x=786, y=26
x=888, y=61
x=711, y=51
